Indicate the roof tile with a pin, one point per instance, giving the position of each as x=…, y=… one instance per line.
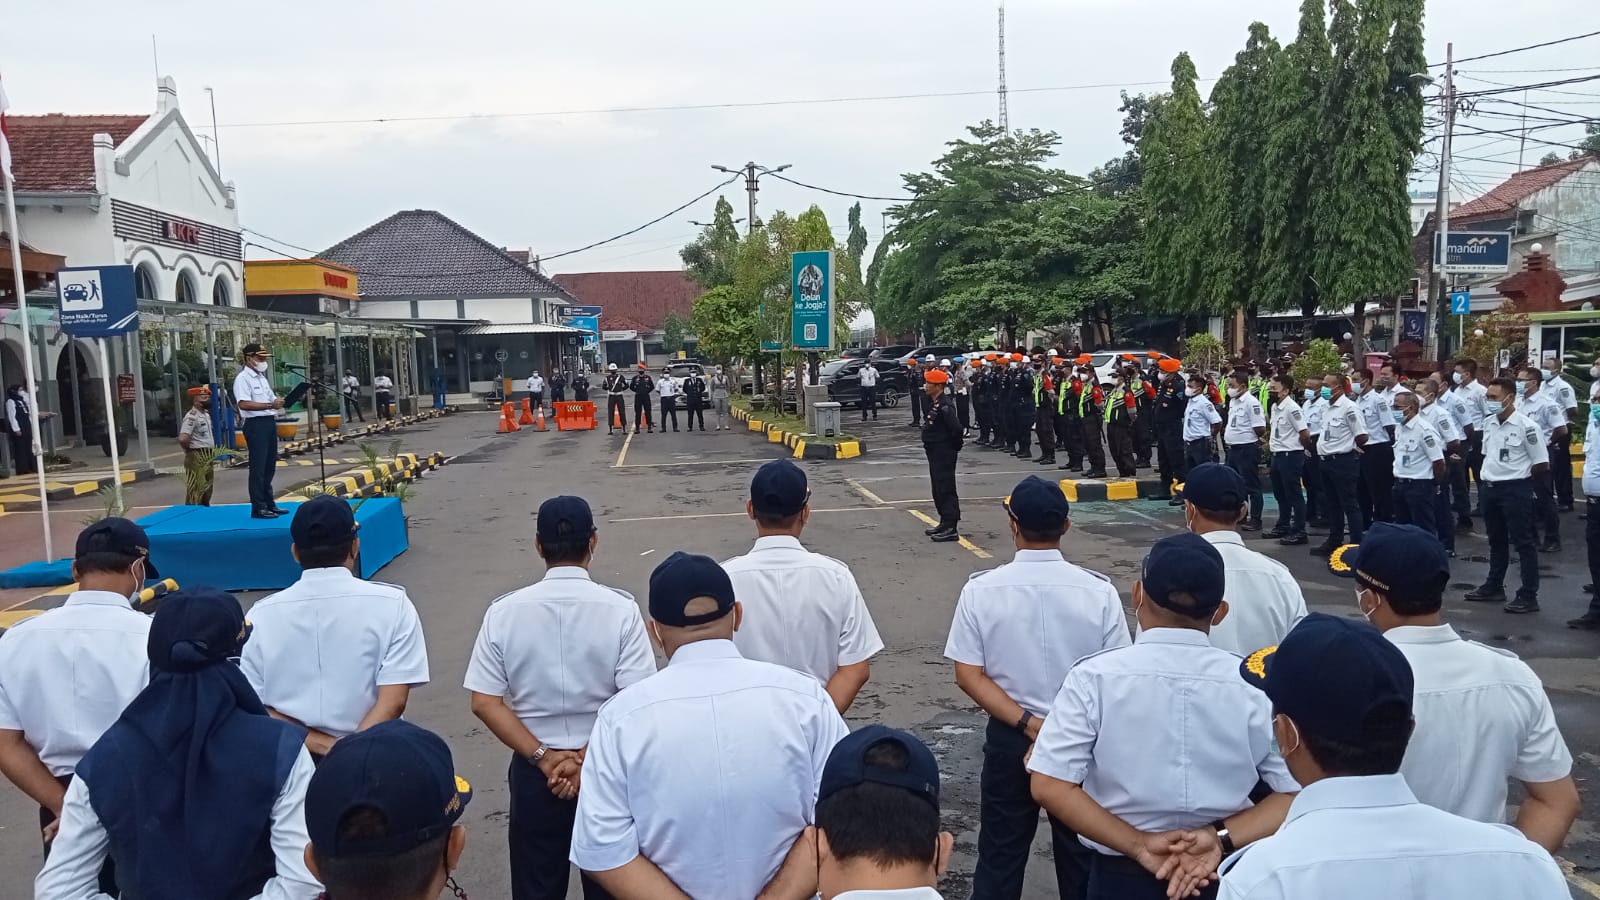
x=420, y=252
x=633, y=301
x=55, y=153
x=1506, y=196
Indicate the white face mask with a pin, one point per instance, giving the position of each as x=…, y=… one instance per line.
x=1309, y=394
x=259, y=367
x=1234, y=393
x=1594, y=371
x=1193, y=392
x=1357, y=388
x=1458, y=378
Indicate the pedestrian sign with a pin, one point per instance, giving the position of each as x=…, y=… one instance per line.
x=1460, y=303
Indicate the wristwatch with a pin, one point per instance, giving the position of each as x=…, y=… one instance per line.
x=536, y=756
x=1223, y=837
x=1022, y=723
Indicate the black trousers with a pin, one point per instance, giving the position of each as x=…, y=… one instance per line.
x=942, y=478
x=1591, y=535
x=1340, y=477
x=1198, y=452
x=352, y=404
x=1143, y=438
x=536, y=400
x=695, y=411
x=1311, y=477
x=1119, y=435
x=1460, y=500
x=1474, y=466
x=1170, y=459
x=964, y=410
x=1416, y=503
x=1008, y=819
x=641, y=412
x=1377, y=481
x=1508, y=519
x=540, y=834
x=1045, y=424
x=1286, y=470
x=1022, y=417
x=1444, y=523
x=869, y=402
x=917, y=399
x=108, y=870
x=261, y=441
x=1120, y=878
x=669, y=408
x=1069, y=434
x=616, y=412
x=22, y=449
x=385, y=404
x=1561, y=471
x=558, y=395
x=1246, y=460
x=1546, y=523
x=1094, y=445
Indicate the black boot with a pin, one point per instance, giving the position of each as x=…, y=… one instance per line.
x=946, y=536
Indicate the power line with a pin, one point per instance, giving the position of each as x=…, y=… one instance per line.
x=1575, y=37
x=665, y=215
x=1533, y=71
x=1505, y=88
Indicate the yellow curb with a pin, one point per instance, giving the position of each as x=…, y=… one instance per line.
x=1070, y=489
x=849, y=449
x=1122, y=490
x=799, y=449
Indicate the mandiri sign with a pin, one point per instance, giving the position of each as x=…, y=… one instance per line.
x=811, y=323
x=1475, y=251
x=97, y=302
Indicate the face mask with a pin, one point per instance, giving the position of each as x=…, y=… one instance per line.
x=1522, y=389
x=1234, y=393
x=1011, y=365
x=1494, y=407
x=1326, y=393
x=1546, y=374
x=1426, y=401
x=1357, y=388
x=1399, y=416
x=1458, y=378
x=1278, y=749
x=1361, y=608
x=1309, y=394
x=259, y=367
x=1193, y=392
x=1594, y=371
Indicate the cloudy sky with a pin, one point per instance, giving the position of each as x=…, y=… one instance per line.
x=519, y=112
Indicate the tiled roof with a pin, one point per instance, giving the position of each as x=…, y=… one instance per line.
x=633, y=300
x=1505, y=197
x=55, y=153
x=420, y=252
x=520, y=256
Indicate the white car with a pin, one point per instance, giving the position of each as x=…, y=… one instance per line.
x=1106, y=362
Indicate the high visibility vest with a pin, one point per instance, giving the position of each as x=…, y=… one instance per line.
x=1117, y=396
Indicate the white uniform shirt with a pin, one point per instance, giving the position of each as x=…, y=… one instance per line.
x=1443, y=421
x=1341, y=425
x=801, y=609
x=708, y=768
x=1287, y=423
x=1029, y=620
x=1244, y=417
x=1511, y=448
x=557, y=650
x=1316, y=408
x=1566, y=399
x=255, y=387
x=1264, y=599
x=921, y=893
x=67, y=675
x=869, y=376
x=1375, y=407
x=382, y=384
x=351, y=384
x=1368, y=837
x=535, y=384
x=1474, y=397
x=1463, y=414
x=1591, y=457
x=72, y=871
x=324, y=645
x=1542, y=411
x=667, y=386
x=1482, y=717
x=1416, y=447
x=1198, y=417
x=1163, y=734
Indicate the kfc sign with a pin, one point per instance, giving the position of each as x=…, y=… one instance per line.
x=183, y=232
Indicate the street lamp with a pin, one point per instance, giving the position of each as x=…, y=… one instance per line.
x=752, y=182
x=713, y=224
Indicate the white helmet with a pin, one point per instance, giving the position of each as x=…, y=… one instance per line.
x=612, y=367
x=944, y=363
x=980, y=361
x=928, y=358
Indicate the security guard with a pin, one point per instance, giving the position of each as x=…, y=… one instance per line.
x=54, y=704
x=616, y=386
x=668, y=389
x=1514, y=452
x=1168, y=413
x=1541, y=410
x=1161, y=735
x=694, y=399
x=1357, y=829
x=1419, y=468
x=801, y=609
x=1247, y=423
x=941, y=441
x=1343, y=430
x=1044, y=402
x=1023, y=408
x=1069, y=430
x=1315, y=407
x=1566, y=399
x=642, y=385
x=558, y=386
x=536, y=385
x=1091, y=414
x=1122, y=408
x=258, y=406
x=1436, y=414
x=1016, y=632
x=1201, y=422
x=1482, y=716
x=960, y=387
x=666, y=805
x=982, y=383
x=1376, y=484
x=914, y=379
x=1005, y=398
x=580, y=386
x=1289, y=444
x=547, y=657
x=1144, y=395
x=331, y=652
x=1474, y=395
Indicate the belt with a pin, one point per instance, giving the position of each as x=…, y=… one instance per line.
x=1414, y=480
x=1286, y=452
x=1338, y=455
x=1508, y=481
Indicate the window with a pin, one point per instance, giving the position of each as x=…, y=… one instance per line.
x=221, y=294
x=188, y=292
x=144, y=282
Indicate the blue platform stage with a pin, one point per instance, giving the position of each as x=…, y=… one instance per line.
x=223, y=547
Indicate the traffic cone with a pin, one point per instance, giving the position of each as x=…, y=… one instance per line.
x=507, y=424
x=527, y=414
x=618, y=422
x=538, y=424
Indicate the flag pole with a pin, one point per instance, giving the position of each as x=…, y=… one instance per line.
x=27, y=360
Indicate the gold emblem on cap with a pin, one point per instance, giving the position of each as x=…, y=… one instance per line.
x=1256, y=663
x=1336, y=563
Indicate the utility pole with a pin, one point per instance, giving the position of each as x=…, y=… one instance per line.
x=752, y=183
x=1441, y=217
x=1005, y=116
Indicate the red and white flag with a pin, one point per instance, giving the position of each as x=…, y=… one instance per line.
x=5, y=143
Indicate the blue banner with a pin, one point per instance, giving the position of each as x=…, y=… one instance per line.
x=97, y=302
x=1475, y=251
x=587, y=318
x=811, y=322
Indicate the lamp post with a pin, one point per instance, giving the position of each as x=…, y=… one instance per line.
x=752, y=183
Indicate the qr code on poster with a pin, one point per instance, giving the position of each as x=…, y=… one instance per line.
x=811, y=331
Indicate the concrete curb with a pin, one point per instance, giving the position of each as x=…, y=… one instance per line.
x=65, y=490
x=1091, y=491
x=309, y=445
x=368, y=481
x=803, y=448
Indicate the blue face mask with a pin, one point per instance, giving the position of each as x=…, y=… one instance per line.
x=1494, y=407
x=1399, y=417
x=1522, y=389
x=1310, y=395
x=1357, y=388
x=1326, y=393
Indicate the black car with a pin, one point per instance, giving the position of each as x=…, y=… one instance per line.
x=844, y=381
x=893, y=351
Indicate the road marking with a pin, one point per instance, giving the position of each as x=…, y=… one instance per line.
x=694, y=462
x=977, y=551
x=861, y=489
x=743, y=515
x=624, y=453
x=1576, y=880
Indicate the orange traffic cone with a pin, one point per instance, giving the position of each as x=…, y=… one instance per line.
x=538, y=424
x=617, y=421
x=527, y=414
x=507, y=424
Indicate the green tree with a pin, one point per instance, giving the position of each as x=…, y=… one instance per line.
x=674, y=330
x=1550, y=159
x=856, y=243
x=724, y=320
x=1291, y=159
x=1172, y=150
x=709, y=258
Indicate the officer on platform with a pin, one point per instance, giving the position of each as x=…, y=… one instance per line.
x=641, y=385
x=258, y=406
x=615, y=385
x=941, y=440
x=1017, y=630
x=1514, y=452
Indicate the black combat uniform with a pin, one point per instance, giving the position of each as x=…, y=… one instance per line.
x=641, y=385
x=1171, y=401
x=1023, y=413
x=558, y=388
x=1044, y=398
x=941, y=440
x=918, y=397
x=981, y=382
x=1004, y=394
x=580, y=387
x=694, y=396
x=1069, y=432
x=616, y=387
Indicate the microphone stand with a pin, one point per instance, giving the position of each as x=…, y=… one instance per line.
x=313, y=404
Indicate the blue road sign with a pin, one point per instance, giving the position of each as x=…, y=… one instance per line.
x=97, y=302
x=586, y=318
x=1476, y=251
x=1460, y=303
x=811, y=322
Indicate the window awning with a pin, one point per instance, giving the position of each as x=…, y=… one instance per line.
x=522, y=328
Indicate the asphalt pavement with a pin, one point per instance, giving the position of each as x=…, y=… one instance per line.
x=471, y=528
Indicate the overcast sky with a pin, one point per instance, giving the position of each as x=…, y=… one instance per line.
x=526, y=177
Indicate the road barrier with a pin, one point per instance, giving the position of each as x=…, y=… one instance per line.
x=576, y=415
x=527, y=412
x=507, y=424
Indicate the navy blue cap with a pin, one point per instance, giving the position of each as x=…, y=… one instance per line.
x=779, y=489
x=1402, y=560
x=847, y=765
x=322, y=521
x=1037, y=505
x=564, y=518
x=1184, y=564
x=394, y=768
x=116, y=540
x=683, y=577
x=1337, y=679
x=195, y=628
x=1215, y=488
